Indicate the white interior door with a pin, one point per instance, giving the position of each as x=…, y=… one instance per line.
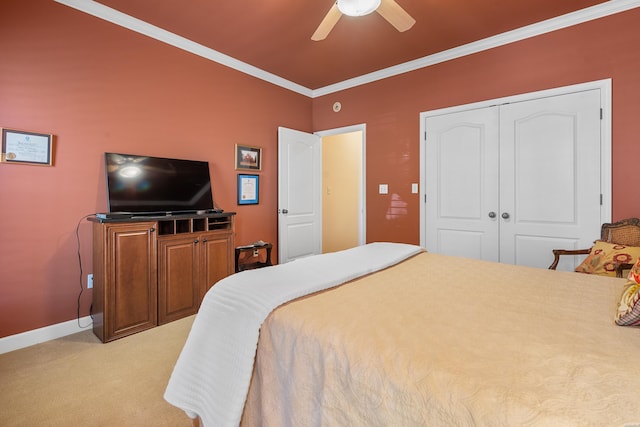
x=549, y=176
x=524, y=177
x=462, y=184
x=299, y=194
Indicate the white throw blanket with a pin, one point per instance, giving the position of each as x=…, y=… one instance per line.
x=212, y=375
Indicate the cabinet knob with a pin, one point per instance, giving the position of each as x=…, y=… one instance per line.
x=492, y=214
x=204, y=241
x=505, y=215
x=195, y=242
x=151, y=230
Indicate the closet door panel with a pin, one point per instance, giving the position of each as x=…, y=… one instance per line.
x=544, y=169
x=462, y=184
x=550, y=175
x=461, y=172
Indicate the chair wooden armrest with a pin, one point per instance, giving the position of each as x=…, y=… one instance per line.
x=621, y=267
x=558, y=252
x=625, y=232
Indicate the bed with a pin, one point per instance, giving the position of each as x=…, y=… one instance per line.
x=388, y=334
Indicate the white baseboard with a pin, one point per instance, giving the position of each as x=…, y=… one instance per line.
x=36, y=336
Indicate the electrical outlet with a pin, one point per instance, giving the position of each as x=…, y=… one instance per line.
x=255, y=252
x=89, y=281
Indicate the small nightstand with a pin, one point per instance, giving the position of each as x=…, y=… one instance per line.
x=255, y=248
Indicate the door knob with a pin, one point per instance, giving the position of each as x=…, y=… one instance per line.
x=505, y=215
x=492, y=214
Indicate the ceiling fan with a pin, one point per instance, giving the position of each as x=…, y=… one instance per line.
x=388, y=9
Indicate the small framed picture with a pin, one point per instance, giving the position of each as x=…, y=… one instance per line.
x=248, y=189
x=21, y=147
x=248, y=158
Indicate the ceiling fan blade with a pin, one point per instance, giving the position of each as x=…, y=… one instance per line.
x=396, y=15
x=327, y=24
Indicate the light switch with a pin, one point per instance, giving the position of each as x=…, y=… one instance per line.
x=414, y=188
x=383, y=189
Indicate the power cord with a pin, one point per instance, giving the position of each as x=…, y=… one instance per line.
x=81, y=273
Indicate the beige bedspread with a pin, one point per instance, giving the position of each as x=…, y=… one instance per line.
x=438, y=341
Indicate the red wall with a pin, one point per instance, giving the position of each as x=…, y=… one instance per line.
x=605, y=48
x=98, y=87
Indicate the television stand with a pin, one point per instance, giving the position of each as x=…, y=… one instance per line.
x=152, y=270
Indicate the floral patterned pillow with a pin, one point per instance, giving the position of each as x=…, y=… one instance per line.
x=603, y=257
x=629, y=307
x=634, y=274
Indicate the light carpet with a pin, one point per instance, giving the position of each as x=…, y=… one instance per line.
x=79, y=381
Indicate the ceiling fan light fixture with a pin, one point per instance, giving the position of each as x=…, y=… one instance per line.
x=357, y=7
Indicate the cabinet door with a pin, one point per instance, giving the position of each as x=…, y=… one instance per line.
x=178, y=281
x=131, y=282
x=216, y=259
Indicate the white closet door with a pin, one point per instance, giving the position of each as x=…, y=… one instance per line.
x=549, y=176
x=462, y=184
x=534, y=164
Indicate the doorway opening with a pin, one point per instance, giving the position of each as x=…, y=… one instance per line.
x=342, y=189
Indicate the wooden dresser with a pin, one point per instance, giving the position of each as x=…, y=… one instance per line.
x=153, y=270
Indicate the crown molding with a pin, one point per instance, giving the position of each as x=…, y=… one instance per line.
x=594, y=12
x=101, y=11
x=574, y=18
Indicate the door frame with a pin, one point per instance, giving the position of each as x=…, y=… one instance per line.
x=362, y=238
x=605, y=138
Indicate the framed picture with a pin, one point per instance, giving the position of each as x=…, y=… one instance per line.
x=248, y=189
x=248, y=158
x=30, y=148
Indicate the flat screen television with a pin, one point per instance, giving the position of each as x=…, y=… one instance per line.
x=156, y=185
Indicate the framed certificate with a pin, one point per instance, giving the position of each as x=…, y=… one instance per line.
x=23, y=147
x=248, y=190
